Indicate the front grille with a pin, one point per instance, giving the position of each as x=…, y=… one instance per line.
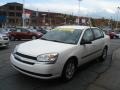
x=26, y=56
x=5, y=38
x=6, y=43
x=31, y=63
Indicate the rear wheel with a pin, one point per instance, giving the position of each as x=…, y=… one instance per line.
x=19, y=39
x=104, y=55
x=69, y=70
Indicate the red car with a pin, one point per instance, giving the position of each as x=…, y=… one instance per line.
x=21, y=33
x=113, y=35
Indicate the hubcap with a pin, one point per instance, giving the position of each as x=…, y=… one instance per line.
x=104, y=54
x=12, y=38
x=70, y=70
x=33, y=37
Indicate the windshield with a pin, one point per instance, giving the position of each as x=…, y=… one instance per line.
x=32, y=30
x=63, y=35
x=2, y=30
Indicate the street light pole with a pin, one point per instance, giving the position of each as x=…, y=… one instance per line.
x=79, y=11
x=65, y=21
x=44, y=18
x=117, y=17
x=37, y=15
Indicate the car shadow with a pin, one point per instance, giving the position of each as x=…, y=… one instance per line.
x=3, y=48
x=82, y=78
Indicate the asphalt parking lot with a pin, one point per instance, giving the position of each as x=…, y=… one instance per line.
x=10, y=79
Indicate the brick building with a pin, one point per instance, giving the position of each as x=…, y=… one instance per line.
x=48, y=18
x=11, y=15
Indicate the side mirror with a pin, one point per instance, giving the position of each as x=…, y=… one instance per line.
x=83, y=42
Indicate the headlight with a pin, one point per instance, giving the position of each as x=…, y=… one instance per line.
x=48, y=58
x=39, y=34
x=1, y=38
x=15, y=49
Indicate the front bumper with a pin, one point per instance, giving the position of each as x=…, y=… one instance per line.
x=4, y=43
x=38, y=70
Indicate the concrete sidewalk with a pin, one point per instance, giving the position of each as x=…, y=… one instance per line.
x=110, y=80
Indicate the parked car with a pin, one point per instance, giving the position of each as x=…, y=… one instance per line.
x=22, y=33
x=118, y=35
x=113, y=35
x=59, y=52
x=4, y=40
x=43, y=31
x=7, y=30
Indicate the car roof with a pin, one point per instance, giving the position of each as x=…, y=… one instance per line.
x=76, y=27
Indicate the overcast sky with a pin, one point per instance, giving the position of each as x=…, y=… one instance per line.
x=92, y=8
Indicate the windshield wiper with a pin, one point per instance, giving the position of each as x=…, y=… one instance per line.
x=57, y=41
x=43, y=38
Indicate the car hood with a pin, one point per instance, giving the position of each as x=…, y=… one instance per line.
x=2, y=34
x=37, y=47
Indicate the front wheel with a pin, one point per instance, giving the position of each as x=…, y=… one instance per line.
x=12, y=38
x=104, y=55
x=69, y=70
x=33, y=37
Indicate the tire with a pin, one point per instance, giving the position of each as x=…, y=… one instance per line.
x=104, y=55
x=12, y=38
x=69, y=70
x=19, y=39
x=34, y=37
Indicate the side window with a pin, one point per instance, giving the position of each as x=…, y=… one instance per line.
x=88, y=35
x=24, y=30
x=97, y=33
x=18, y=30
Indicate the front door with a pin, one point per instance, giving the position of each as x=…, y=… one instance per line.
x=88, y=50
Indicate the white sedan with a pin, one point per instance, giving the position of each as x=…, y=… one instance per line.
x=59, y=52
x=4, y=40
x=118, y=35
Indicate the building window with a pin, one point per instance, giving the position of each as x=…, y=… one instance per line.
x=33, y=14
x=2, y=13
x=11, y=8
x=19, y=14
x=18, y=8
x=11, y=14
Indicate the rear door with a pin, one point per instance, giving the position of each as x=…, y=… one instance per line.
x=98, y=41
x=26, y=34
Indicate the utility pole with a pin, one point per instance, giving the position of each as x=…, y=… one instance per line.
x=37, y=17
x=23, y=15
